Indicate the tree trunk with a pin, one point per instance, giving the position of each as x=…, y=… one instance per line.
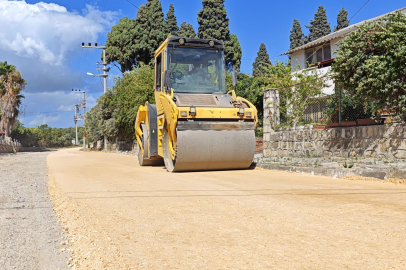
x=7, y=131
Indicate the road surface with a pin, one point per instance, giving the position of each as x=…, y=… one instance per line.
x=119, y=215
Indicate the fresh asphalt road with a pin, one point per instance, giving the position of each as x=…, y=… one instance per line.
x=123, y=216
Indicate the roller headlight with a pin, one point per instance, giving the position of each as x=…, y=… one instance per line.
x=192, y=111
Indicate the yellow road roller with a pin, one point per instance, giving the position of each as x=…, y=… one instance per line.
x=195, y=124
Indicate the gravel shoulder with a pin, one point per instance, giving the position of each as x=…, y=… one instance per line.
x=31, y=237
x=119, y=215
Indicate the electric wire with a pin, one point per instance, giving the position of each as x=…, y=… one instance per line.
x=51, y=112
x=132, y=4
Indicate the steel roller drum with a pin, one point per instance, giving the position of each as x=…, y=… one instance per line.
x=199, y=150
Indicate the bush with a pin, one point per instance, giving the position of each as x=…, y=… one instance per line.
x=371, y=63
x=43, y=136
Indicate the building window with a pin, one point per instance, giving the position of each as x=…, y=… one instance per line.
x=318, y=54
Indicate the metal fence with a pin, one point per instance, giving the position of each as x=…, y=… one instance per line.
x=337, y=109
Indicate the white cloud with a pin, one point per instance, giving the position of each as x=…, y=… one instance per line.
x=65, y=108
x=43, y=40
x=48, y=32
x=55, y=108
x=41, y=119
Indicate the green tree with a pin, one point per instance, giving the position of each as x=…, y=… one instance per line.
x=297, y=91
x=11, y=86
x=342, y=21
x=42, y=136
x=131, y=91
x=93, y=123
x=296, y=35
x=213, y=21
x=186, y=30
x=370, y=64
x=142, y=47
x=318, y=27
x=214, y=24
x=171, y=22
x=121, y=44
x=157, y=24
x=261, y=62
x=234, y=53
x=150, y=31
x=115, y=112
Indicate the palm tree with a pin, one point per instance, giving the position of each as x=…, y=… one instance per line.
x=11, y=86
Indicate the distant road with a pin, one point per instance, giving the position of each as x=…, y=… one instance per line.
x=123, y=216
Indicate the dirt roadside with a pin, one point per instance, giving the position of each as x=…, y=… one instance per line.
x=30, y=236
x=122, y=216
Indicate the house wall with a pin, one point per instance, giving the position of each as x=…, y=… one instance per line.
x=298, y=58
x=334, y=47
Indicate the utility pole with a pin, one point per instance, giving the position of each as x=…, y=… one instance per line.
x=75, y=119
x=104, y=75
x=79, y=117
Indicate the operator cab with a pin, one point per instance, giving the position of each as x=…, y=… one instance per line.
x=191, y=66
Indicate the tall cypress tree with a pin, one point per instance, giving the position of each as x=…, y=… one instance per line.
x=213, y=24
x=342, y=21
x=235, y=53
x=171, y=22
x=150, y=30
x=318, y=27
x=213, y=21
x=186, y=30
x=143, y=29
x=262, y=62
x=157, y=32
x=296, y=35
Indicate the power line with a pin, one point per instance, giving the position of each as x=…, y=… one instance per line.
x=132, y=4
x=359, y=10
x=50, y=112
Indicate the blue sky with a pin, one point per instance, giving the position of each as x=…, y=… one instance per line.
x=44, y=38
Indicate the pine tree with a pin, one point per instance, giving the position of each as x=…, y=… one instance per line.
x=235, y=53
x=319, y=27
x=342, y=21
x=262, y=61
x=296, y=35
x=171, y=22
x=186, y=30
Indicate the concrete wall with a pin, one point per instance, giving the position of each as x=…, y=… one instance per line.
x=7, y=145
x=383, y=141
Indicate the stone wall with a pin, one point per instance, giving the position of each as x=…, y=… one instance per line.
x=383, y=141
x=271, y=112
x=7, y=145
